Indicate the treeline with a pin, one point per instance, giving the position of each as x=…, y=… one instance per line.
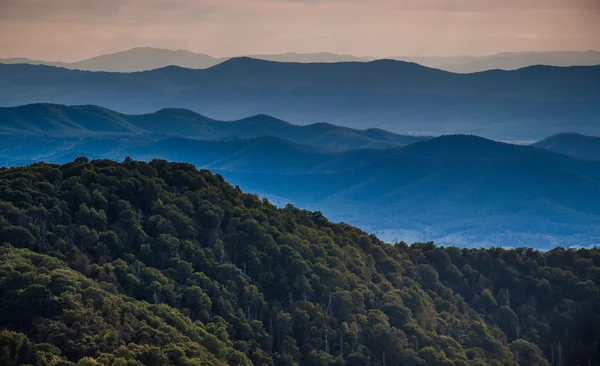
x=158, y=263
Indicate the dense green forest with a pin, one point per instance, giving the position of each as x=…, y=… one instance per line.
x=159, y=263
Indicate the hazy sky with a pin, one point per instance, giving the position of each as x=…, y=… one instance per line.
x=70, y=30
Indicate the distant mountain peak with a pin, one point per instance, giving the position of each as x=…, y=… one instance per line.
x=573, y=144
x=178, y=111
x=262, y=116
x=245, y=60
x=457, y=139
x=569, y=134
x=462, y=146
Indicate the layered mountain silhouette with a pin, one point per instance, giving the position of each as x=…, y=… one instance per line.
x=507, y=60
x=54, y=120
x=148, y=58
x=573, y=144
x=401, y=97
x=135, y=59
x=456, y=189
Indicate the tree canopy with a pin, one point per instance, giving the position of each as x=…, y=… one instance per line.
x=159, y=263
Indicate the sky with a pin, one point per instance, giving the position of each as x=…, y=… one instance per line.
x=71, y=30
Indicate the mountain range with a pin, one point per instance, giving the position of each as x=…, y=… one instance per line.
x=526, y=104
x=148, y=58
x=455, y=189
x=507, y=60
x=53, y=120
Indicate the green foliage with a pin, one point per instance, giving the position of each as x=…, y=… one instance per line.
x=161, y=264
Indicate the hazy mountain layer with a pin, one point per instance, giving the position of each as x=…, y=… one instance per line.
x=507, y=60
x=461, y=190
x=573, y=144
x=147, y=58
x=526, y=104
x=76, y=121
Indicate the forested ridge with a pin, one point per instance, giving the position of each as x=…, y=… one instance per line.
x=159, y=263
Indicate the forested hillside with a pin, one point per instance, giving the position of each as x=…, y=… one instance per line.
x=158, y=263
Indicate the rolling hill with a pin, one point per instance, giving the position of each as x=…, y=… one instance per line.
x=530, y=103
x=573, y=144
x=80, y=121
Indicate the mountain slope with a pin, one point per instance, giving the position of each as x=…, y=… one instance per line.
x=59, y=120
x=76, y=121
x=393, y=95
x=573, y=144
x=159, y=263
x=36, y=285
x=497, y=194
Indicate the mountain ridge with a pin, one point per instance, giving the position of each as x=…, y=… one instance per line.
x=76, y=120
x=392, y=95
x=573, y=144
x=147, y=58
